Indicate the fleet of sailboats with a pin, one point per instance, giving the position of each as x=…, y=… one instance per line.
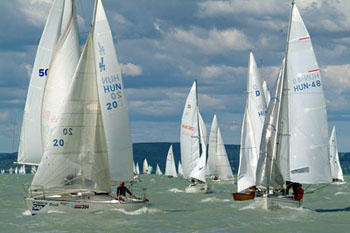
x=76, y=126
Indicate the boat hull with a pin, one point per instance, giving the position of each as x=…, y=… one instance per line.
x=242, y=196
x=271, y=202
x=198, y=188
x=93, y=204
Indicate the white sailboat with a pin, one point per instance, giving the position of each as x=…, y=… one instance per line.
x=223, y=169
x=170, y=169
x=85, y=153
x=193, y=137
x=211, y=167
x=294, y=145
x=158, y=171
x=61, y=22
x=145, y=167
x=336, y=170
x=137, y=168
x=253, y=120
x=179, y=169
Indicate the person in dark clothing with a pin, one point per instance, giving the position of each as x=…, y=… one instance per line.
x=300, y=193
x=121, y=192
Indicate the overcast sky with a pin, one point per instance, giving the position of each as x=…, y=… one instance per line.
x=164, y=45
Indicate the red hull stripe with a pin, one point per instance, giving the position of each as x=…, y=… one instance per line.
x=313, y=70
x=304, y=38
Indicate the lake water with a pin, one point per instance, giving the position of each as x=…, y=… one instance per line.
x=172, y=210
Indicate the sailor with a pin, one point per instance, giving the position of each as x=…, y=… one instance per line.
x=300, y=193
x=121, y=192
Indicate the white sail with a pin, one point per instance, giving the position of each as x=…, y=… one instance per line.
x=30, y=147
x=158, y=171
x=199, y=171
x=179, y=169
x=211, y=167
x=145, y=167
x=189, y=140
x=267, y=94
x=336, y=170
x=253, y=120
x=223, y=167
x=133, y=168
x=115, y=113
x=62, y=66
x=77, y=156
x=137, y=168
x=306, y=116
x=170, y=169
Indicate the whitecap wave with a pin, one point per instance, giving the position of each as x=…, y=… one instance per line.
x=27, y=213
x=143, y=210
x=175, y=190
x=249, y=207
x=55, y=212
x=340, y=193
x=214, y=199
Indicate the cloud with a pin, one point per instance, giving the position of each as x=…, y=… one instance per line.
x=338, y=76
x=4, y=115
x=130, y=69
x=35, y=11
x=212, y=41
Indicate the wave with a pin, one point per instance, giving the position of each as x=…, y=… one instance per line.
x=27, y=213
x=175, y=190
x=340, y=193
x=143, y=210
x=214, y=199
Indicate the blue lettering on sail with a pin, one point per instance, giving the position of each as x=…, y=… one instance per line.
x=305, y=86
x=110, y=79
x=257, y=93
x=101, y=65
x=112, y=88
x=261, y=114
x=101, y=49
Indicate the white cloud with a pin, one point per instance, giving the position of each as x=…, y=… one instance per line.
x=131, y=69
x=36, y=11
x=337, y=76
x=213, y=41
x=120, y=19
x=29, y=69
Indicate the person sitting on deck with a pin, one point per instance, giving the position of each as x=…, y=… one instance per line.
x=121, y=192
x=251, y=190
x=300, y=193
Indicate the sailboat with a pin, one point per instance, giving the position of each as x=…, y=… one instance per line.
x=158, y=171
x=193, y=136
x=294, y=144
x=170, y=169
x=145, y=167
x=90, y=144
x=223, y=171
x=179, y=169
x=336, y=170
x=61, y=22
x=137, y=168
x=253, y=120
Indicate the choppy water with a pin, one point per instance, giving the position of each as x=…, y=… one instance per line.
x=172, y=210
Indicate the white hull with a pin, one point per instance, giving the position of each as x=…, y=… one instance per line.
x=271, y=202
x=197, y=188
x=88, y=205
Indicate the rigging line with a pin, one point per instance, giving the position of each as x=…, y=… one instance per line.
x=312, y=191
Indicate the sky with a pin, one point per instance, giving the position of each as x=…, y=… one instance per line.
x=163, y=46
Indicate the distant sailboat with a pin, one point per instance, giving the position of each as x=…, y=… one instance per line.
x=60, y=22
x=90, y=144
x=211, y=167
x=137, y=168
x=253, y=120
x=294, y=146
x=145, y=167
x=170, y=169
x=336, y=170
x=179, y=169
x=158, y=171
x=193, y=138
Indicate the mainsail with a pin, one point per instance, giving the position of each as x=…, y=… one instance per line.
x=212, y=146
x=158, y=171
x=30, y=148
x=254, y=116
x=223, y=167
